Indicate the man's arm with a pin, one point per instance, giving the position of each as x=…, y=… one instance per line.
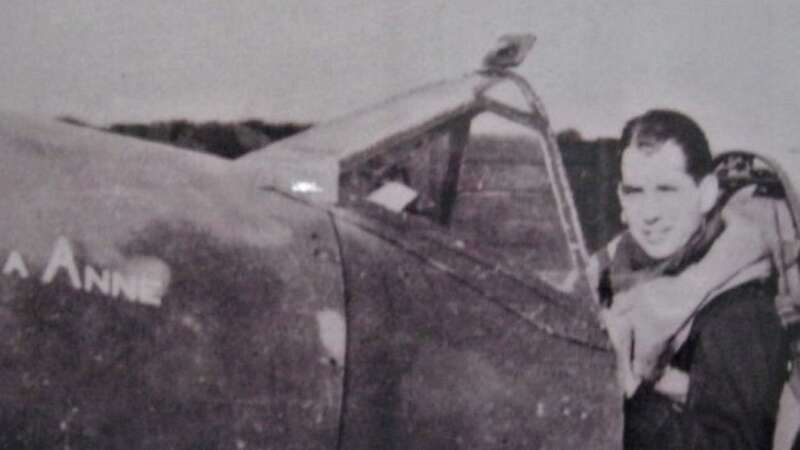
x=736, y=374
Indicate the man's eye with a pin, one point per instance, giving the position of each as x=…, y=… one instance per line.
x=667, y=189
x=629, y=190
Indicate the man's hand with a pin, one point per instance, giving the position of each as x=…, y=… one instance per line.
x=673, y=384
x=670, y=382
x=620, y=333
x=656, y=311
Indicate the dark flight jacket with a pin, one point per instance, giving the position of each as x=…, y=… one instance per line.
x=736, y=357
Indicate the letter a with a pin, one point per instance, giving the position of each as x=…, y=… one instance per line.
x=14, y=263
x=62, y=257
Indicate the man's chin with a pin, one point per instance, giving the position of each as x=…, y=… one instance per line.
x=656, y=249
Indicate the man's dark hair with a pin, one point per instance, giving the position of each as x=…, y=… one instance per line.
x=655, y=127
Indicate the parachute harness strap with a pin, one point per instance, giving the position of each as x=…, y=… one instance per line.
x=788, y=299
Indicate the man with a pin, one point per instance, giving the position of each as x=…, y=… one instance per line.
x=718, y=383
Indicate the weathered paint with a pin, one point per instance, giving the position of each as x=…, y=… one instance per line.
x=333, y=334
x=133, y=313
x=466, y=358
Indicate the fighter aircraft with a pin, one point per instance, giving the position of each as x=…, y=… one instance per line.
x=339, y=289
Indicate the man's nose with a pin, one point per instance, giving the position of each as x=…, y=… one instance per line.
x=651, y=211
x=651, y=220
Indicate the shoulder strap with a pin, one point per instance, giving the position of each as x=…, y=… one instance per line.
x=597, y=271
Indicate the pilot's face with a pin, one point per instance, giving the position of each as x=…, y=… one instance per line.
x=663, y=205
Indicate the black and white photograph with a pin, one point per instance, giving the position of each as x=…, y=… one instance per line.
x=432, y=225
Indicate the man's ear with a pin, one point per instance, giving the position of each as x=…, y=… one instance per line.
x=709, y=192
x=622, y=216
x=619, y=192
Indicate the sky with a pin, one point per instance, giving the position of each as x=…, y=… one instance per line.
x=731, y=64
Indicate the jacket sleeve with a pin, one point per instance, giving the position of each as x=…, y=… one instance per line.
x=736, y=374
